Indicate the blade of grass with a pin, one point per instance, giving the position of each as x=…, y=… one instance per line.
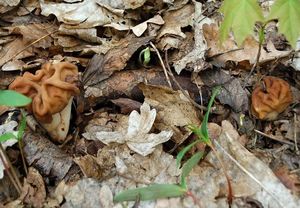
x=151, y=192
x=204, y=128
x=181, y=154
x=188, y=166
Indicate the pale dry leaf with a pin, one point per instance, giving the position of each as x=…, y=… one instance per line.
x=135, y=170
x=171, y=33
x=9, y=2
x=137, y=135
x=88, y=192
x=139, y=29
x=122, y=4
x=84, y=14
x=195, y=59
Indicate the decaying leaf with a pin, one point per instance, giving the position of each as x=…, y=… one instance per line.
x=83, y=14
x=34, y=191
x=231, y=93
x=88, y=192
x=231, y=52
x=273, y=193
x=137, y=136
x=195, y=59
x=101, y=67
x=174, y=110
x=170, y=34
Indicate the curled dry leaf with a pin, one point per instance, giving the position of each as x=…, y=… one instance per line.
x=137, y=136
x=51, y=90
x=271, y=99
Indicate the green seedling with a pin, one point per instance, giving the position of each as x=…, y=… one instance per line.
x=14, y=99
x=156, y=191
x=287, y=12
x=145, y=56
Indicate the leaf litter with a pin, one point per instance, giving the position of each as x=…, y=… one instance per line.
x=129, y=122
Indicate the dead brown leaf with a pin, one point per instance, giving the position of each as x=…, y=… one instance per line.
x=33, y=191
x=230, y=51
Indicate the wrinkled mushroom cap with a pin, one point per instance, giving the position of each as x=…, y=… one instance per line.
x=50, y=89
x=271, y=98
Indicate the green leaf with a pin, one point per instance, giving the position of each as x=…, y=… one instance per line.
x=13, y=98
x=240, y=17
x=188, y=166
x=146, y=55
x=181, y=154
x=288, y=14
x=151, y=192
x=7, y=136
x=204, y=129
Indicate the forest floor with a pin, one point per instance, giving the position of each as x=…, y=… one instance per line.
x=147, y=70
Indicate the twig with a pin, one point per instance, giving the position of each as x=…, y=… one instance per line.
x=9, y=170
x=295, y=134
x=162, y=64
x=254, y=65
x=274, y=138
x=179, y=86
x=246, y=171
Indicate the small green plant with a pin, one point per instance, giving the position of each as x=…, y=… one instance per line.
x=240, y=16
x=156, y=191
x=145, y=56
x=13, y=99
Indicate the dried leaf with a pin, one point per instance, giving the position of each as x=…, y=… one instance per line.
x=137, y=135
x=231, y=52
x=139, y=29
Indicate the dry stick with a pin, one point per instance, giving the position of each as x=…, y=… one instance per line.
x=295, y=134
x=179, y=86
x=246, y=171
x=8, y=166
x=224, y=169
x=25, y=48
x=254, y=65
x=162, y=64
x=22, y=156
x=274, y=138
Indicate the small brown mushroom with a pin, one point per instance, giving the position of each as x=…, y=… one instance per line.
x=271, y=99
x=52, y=89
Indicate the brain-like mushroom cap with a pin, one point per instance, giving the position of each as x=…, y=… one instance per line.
x=271, y=99
x=50, y=88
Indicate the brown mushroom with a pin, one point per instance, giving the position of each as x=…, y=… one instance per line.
x=271, y=98
x=51, y=89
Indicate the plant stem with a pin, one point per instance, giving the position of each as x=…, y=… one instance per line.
x=8, y=167
x=230, y=192
x=256, y=64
